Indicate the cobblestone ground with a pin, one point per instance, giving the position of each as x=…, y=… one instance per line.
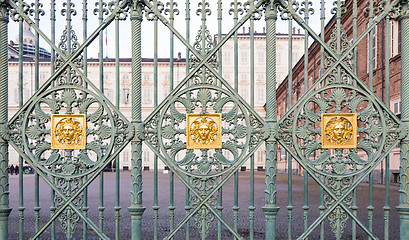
x=180, y=198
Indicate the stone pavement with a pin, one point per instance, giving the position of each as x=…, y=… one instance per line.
x=180, y=198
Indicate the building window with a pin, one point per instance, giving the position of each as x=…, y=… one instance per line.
x=16, y=95
x=166, y=91
x=244, y=57
x=260, y=156
x=374, y=50
x=283, y=153
x=227, y=57
x=108, y=93
x=261, y=57
x=260, y=94
x=146, y=77
x=126, y=95
x=399, y=34
x=396, y=107
x=244, y=76
x=244, y=93
x=226, y=77
x=146, y=155
x=167, y=77
x=147, y=98
x=125, y=77
x=126, y=156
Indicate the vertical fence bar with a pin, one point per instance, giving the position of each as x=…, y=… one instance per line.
x=220, y=69
x=117, y=207
x=85, y=63
x=403, y=208
x=370, y=76
x=354, y=207
x=270, y=208
x=136, y=209
x=306, y=11
x=236, y=87
x=155, y=104
x=387, y=208
x=37, y=207
x=52, y=20
x=101, y=10
x=187, y=20
x=251, y=207
x=172, y=11
x=322, y=18
x=20, y=100
x=290, y=103
x=4, y=158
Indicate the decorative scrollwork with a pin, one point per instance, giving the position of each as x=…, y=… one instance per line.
x=241, y=131
x=157, y=8
x=171, y=9
x=203, y=9
x=377, y=131
x=330, y=61
x=250, y=6
x=204, y=215
x=101, y=9
x=287, y=12
x=105, y=132
x=115, y=6
x=373, y=9
x=339, y=8
x=22, y=8
x=68, y=10
x=68, y=218
x=338, y=217
x=236, y=9
x=36, y=9
x=306, y=8
x=66, y=50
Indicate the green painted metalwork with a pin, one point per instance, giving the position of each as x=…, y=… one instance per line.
x=4, y=192
x=203, y=90
x=403, y=208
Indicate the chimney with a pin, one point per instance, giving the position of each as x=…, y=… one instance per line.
x=244, y=29
x=293, y=30
x=179, y=55
x=299, y=31
x=264, y=29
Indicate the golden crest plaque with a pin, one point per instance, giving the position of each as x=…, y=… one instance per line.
x=68, y=131
x=204, y=130
x=339, y=130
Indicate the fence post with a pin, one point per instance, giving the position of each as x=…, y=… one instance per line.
x=4, y=157
x=136, y=209
x=270, y=209
x=403, y=208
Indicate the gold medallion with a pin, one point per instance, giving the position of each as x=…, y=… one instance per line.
x=339, y=130
x=68, y=131
x=204, y=130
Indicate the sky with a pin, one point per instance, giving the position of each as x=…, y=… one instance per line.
x=148, y=26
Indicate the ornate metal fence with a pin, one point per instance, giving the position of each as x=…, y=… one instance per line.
x=338, y=131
